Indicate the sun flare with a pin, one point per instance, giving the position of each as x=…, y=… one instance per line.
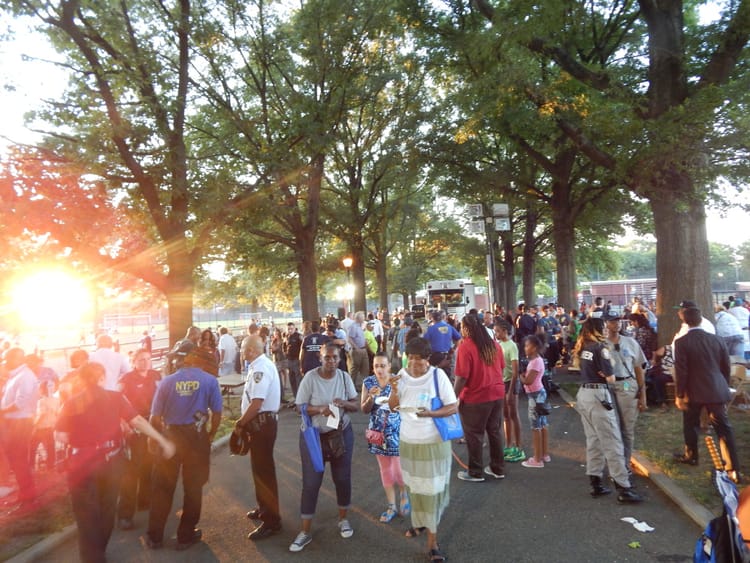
x=51, y=298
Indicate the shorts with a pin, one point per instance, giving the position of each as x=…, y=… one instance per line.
x=537, y=421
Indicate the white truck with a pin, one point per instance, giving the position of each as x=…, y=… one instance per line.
x=455, y=297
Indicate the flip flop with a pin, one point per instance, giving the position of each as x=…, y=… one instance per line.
x=414, y=532
x=405, y=507
x=389, y=514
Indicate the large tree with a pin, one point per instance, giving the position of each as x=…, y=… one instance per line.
x=656, y=84
x=123, y=121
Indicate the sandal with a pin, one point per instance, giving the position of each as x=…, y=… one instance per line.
x=414, y=532
x=437, y=555
x=389, y=514
x=405, y=507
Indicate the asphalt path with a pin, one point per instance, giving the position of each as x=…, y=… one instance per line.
x=532, y=515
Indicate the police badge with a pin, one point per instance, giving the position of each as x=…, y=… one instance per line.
x=257, y=376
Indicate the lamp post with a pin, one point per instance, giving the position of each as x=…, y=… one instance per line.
x=348, y=261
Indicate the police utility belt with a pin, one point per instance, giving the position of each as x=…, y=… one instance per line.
x=257, y=423
x=108, y=449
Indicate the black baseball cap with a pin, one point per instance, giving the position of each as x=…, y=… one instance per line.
x=687, y=304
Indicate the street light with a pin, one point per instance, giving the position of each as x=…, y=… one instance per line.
x=348, y=261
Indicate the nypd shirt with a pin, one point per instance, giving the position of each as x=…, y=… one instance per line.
x=262, y=383
x=185, y=393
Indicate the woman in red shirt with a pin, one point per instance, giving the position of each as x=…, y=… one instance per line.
x=480, y=388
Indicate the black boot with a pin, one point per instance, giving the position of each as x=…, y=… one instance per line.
x=627, y=495
x=597, y=487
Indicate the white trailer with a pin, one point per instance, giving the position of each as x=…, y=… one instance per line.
x=455, y=297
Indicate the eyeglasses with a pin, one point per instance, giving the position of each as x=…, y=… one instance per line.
x=330, y=358
x=380, y=365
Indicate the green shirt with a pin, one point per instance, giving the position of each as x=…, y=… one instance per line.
x=510, y=353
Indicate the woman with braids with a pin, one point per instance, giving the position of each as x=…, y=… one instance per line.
x=480, y=388
x=600, y=424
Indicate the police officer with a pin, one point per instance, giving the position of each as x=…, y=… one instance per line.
x=90, y=425
x=600, y=424
x=261, y=400
x=441, y=337
x=629, y=387
x=187, y=408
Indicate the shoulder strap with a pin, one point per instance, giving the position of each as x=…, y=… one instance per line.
x=435, y=381
x=343, y=382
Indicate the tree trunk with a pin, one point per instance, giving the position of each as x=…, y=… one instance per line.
x=179, y=295
x=563, y=237
x=529, y=258
x=381, y=274
x=681, y=257
x=307, y=270
x=509, y=266
x=358, y=274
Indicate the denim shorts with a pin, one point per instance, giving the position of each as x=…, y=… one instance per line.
x=537, y=421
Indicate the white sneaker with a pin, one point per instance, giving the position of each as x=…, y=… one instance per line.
x=300, y=542
x=345, y=528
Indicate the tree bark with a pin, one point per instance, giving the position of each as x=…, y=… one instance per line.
x=179, y=292
x=358, y=273
x=529, y=258
x=563, y=239
x=307, y=270
x=509, y=266
x=681, y=258
x=381, y=274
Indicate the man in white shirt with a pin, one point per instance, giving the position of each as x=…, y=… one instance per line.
x=115, y=364
x=227, y=351
x=17, y=410
x=261, y=399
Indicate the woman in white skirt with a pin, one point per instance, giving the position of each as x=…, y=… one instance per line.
x=425, y=457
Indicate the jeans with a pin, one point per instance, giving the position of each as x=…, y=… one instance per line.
x=478, y=418
x=193, y=456
x=294, y=375
x=94, y=485
x=735, y=345
x=341, y=472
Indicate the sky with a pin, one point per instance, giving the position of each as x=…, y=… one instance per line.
x=26, y=82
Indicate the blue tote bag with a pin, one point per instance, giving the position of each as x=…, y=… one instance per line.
x=312, y=440
x=449, y=427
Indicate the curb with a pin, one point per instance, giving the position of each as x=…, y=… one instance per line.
x=694, y=510
x=53, y=541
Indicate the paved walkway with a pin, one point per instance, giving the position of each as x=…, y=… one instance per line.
x=533, y=515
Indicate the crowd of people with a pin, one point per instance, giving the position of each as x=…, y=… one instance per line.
x=126, y=431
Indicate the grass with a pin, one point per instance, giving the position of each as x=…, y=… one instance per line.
x=658, y=435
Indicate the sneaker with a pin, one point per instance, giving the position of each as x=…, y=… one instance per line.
x=509, y=451
x=345, y=528
x=546, y=459
x=466, y=476
x=488, y=471
x=531, y=462
x=516, y=454
x=300, y=542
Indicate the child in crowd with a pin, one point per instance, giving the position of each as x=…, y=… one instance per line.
x=532, y=384
x=44, y=423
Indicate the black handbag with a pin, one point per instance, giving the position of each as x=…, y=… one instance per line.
x=332, y=444
x=543, y=409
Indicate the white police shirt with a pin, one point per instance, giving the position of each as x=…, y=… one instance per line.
x=262, y=383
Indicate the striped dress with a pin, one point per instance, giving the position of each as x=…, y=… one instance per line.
x=425, y=457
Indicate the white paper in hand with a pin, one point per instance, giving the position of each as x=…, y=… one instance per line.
x=333, y=420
